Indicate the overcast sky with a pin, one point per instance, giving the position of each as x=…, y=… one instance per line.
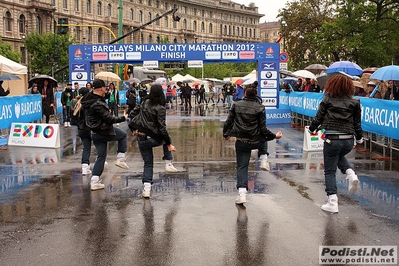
x=268, y=7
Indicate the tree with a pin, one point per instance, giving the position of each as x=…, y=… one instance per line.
x=6, y=51
x=47, y=51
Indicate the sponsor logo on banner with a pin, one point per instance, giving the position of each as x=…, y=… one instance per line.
x=116, y=55
x=79, y=75
x=268, y=84
x=246, y=55
x=34, y=135
x=212, y=55
x=230, y=55
x=269, y=53
x=150, y=64
x=79, y=67
x=195, y=63
x=269, y=101
x=268, y=93
x=100, y=56
x=133, y=55
x=269, y=66
x=78, y=54
x=268, y=74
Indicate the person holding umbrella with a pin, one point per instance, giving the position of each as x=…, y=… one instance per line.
x=47, y=100
x=3, y=92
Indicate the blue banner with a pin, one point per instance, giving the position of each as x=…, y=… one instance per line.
x=378, y=116
x=25, y=108
x=278, y=116
x=122, y=96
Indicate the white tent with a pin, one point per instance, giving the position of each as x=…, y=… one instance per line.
x=177, y=77
x=17, y=87
x=189, y=77
x=251, y=75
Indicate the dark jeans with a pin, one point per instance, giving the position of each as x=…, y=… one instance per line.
x=145, y=145
x=187, y=99
x=100, y=141
x=66, y=114
x=243, y=155
x=334, y=156
x=85, y=136
x=114, y=109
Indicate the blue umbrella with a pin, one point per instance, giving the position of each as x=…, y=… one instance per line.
x=345, y=66
x=386, y=73
x=9, y=77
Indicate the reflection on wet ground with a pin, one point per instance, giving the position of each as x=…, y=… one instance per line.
x=41, y=186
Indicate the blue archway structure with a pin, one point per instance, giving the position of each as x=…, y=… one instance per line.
x=82, y=58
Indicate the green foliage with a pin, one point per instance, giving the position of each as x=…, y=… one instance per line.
x=47, y=50
x=362, y=31
x=6, y=51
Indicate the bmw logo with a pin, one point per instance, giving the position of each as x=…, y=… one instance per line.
x=79, y=76
x=269, y=74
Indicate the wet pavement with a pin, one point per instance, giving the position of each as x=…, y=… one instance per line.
x=49, y=216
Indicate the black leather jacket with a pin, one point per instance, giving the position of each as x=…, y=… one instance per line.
x=337, y=114
x=97, y=115
x=247, y=119
x=150, y=120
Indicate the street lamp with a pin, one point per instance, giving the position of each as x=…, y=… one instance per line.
x=300, y=47
x=284, y=24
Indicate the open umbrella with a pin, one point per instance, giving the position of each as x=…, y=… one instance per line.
x=370, y=70
x=287, y=73
x=9, y=77
x=316, y=68
x=38, y=79
x=386, y=73
x=135, y=80
x=160, y=80
x=145, y=81
x=304, y=74
x=248, y=81
x=108, y=76
x=345, y=66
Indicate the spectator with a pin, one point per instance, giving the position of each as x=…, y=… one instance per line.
x=314, y=87
x=3, y=92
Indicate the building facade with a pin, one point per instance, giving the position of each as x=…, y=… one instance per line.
x=97, y=21
x=270, y=31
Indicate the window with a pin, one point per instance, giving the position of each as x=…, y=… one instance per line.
x=99, y=8
x=166, y=6
x=109, y=10
x=23, y=54
x=202, y=13
x=184, y=25
x=142, y=38
x=140, y=16
x=7, y=21
x=88, y=6
x=131, y=14
x=225, y=30
x=210, y=14
x=184, y=10
x=76, y=5
x=174, y=40
x=150, y=38
x=157, y=4
x=195, y=26
x=250, y=33
x=39, y=27
x=194, y=11
x=89, y=34
x=149, y=16
x=78, y=33
x=157, y=22
x=22, y=23
x=149, y=3
x=202, y=27
x=100, y=35
x=175, y=24
x=166, y=22
x=210, y=28
x=65, y=4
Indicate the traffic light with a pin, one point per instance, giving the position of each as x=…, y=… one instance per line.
x=62, y=29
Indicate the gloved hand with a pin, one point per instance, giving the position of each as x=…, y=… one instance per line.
x=359, y=141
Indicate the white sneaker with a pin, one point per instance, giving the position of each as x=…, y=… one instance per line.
x=65, y=124
x=264, y=165
x=68, y=124
x=353, y=181
x=96, y=185
x=86, y=169
x=170, y=168
x=241, y=199
x=121, y=162
x=146, y=190
x=331, y=205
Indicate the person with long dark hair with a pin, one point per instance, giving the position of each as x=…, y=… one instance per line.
x=247, y=122
x=148, y=122
x=339, y=114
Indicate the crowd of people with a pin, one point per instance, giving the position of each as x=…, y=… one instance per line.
x=387, y=90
